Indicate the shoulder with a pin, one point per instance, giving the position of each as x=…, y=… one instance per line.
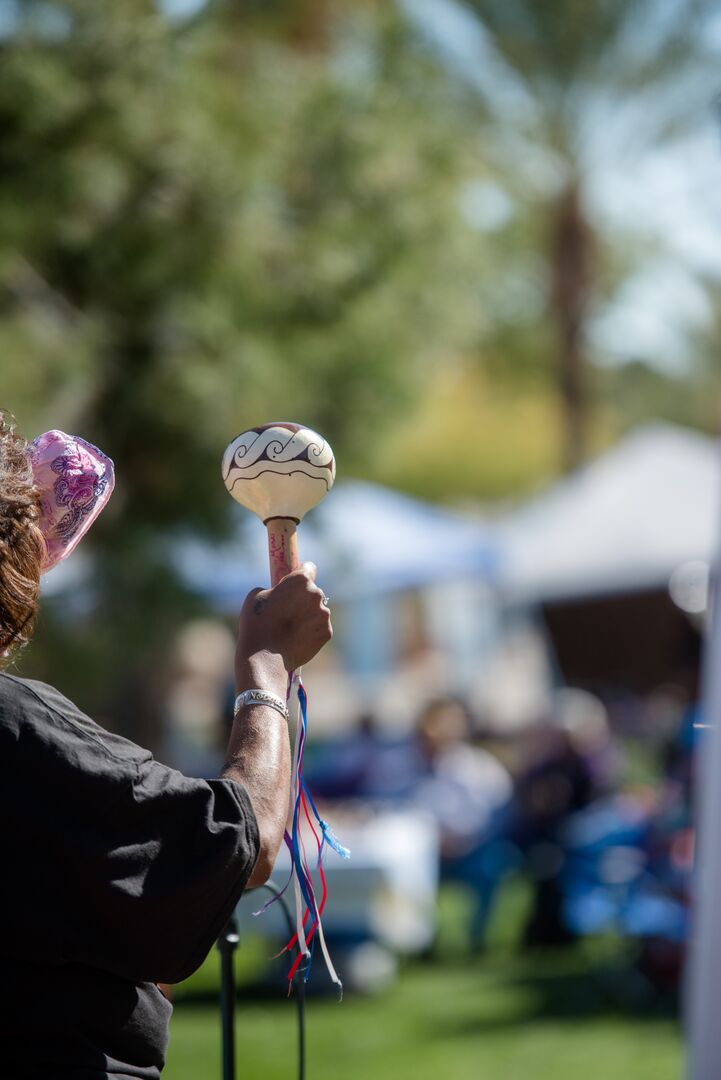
x=20, y=702
x=19, y=693
x=38, y=715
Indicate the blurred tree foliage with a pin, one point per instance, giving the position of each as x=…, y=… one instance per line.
x=206, y=223
x=476, y=432
x=201, y=222
x=567, y=89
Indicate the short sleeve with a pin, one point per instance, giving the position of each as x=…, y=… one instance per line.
x=180, y=854
x=112, y=859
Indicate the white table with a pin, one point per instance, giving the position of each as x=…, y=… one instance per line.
x=386, y=892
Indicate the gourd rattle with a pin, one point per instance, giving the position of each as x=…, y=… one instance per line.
x=280, y=471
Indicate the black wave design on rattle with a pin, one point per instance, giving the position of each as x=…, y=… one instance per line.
x=317, y=474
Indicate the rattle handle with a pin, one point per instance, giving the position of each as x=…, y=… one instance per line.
x=282, y=547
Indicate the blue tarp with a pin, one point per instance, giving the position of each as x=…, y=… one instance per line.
x=366, y=539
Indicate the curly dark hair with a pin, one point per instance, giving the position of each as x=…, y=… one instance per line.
x=22, y=547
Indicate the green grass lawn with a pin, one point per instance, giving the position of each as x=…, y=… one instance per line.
x=562, y=1016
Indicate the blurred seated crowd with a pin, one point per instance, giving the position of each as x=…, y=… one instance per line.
x=555, y=803
x=552, y=804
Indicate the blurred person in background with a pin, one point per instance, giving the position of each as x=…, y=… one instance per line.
x=570, y=761
x=469, y=793
x=118, y=872
x=437, y=772
x=350, y=767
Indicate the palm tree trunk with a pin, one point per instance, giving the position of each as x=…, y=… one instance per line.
x=309, y=24
x=571, y=256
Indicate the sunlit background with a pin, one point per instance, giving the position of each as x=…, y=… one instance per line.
x=477, y=245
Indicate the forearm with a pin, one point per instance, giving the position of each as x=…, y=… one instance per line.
x=279, y=630
x=258, y=756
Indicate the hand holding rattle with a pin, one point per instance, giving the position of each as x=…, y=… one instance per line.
x=280, y=471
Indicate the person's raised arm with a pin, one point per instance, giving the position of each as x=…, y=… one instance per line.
x=280, y=630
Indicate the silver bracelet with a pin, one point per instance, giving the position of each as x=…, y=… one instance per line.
x=261, y=697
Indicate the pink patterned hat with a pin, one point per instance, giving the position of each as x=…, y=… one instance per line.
x=75, y=481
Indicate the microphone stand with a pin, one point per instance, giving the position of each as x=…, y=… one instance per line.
x=227, y=944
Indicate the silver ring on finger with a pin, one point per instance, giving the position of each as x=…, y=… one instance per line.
x=325, y=601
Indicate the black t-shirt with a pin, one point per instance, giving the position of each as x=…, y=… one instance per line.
x=115, y=873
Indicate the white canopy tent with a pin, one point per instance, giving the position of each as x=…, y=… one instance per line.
x=625, y=522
